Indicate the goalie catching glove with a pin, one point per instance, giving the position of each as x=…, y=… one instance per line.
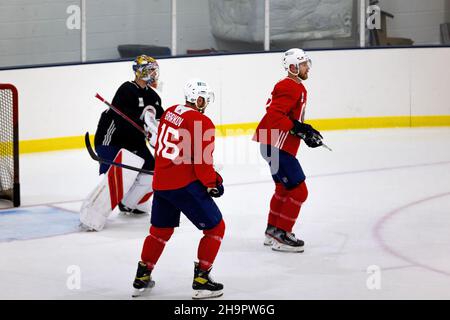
x=218, y=190
x=311, y=136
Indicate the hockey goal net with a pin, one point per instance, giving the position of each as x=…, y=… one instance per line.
x=9, y=146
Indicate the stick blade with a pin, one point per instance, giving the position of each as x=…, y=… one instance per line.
x=87, y=142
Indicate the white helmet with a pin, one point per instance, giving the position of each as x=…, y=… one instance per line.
x=195, y=88
x=295, y=56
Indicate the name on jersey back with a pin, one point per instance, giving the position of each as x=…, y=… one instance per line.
x=173, y=118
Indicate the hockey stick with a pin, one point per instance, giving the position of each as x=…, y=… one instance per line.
x=120, y=113
x=123, y=115
x=326, y=147
x=112, y=163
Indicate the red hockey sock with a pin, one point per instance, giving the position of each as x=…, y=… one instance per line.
x=209, y=245
x=291, y=208
x=154, y=245
x=276, y=203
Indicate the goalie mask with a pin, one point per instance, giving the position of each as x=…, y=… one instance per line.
x=146, y=68
x=196, y=88
x=295, y=56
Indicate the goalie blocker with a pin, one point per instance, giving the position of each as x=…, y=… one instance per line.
x=118, y=184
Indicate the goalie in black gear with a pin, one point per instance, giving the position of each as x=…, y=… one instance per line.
x=140, y=101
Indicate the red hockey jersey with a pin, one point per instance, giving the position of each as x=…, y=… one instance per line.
x=286, y=104
x=184, y=149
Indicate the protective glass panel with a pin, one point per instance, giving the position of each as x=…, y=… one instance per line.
x=117, y=29
x=313, y=24
x=39, y=32
x=209, y=27
x=407, y=23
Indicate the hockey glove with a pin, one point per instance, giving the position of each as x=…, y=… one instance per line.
x=311, y=136
x=218, y=190
x=313, y=141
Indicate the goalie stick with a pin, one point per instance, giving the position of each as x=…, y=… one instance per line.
x=112, y=163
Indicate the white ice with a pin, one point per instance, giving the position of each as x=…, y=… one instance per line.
x=376, y=226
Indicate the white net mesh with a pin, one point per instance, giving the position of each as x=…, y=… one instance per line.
x=6, y=143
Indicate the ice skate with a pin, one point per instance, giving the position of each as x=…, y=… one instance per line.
x=268, y=241
x=287, y=242
x=204, y=287
x=143, y=282
x=128, y=211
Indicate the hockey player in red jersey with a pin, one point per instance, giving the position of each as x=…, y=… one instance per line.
x=185, y=181
x=279, y=134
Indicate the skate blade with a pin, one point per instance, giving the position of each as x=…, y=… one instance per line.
x=285, y=248
x=268, y=241
x=144, y=291
x=206, y=294
x=132, y=215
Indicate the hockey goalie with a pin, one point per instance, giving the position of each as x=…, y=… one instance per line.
x=136, y=104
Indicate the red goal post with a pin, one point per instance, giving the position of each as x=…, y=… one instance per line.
x=9, y=144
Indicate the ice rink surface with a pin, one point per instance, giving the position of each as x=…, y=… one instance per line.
x=376, y=225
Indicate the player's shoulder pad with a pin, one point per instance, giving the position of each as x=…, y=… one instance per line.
x=285, y=83
x=206, y=120
x=127, y=86
x=194, y=115
x=180, y=109
x=156, y=92
x=286, y=86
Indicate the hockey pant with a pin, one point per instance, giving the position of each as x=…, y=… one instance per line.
x=285, y=205
x=115, y=183
x=207, y=249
